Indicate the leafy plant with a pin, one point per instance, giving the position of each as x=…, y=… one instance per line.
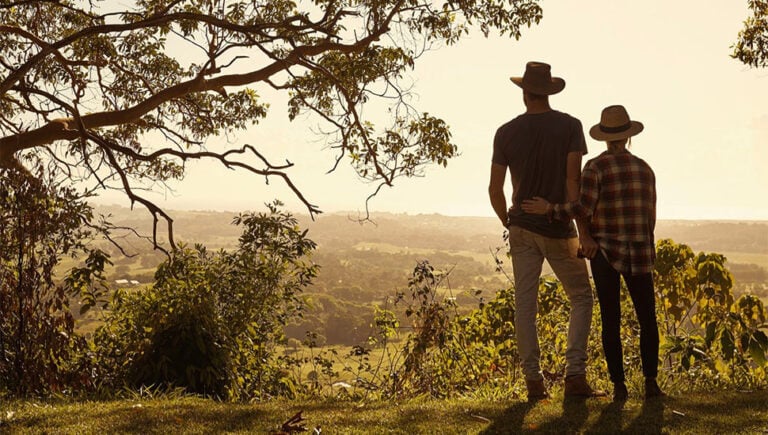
x=212, y=322
x=708, y=336
x=40, y=223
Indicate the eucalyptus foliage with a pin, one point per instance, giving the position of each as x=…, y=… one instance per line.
x=124, y=93
x=751, y=48
x=709, y=337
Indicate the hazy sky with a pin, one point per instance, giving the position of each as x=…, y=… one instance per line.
x=667, y=62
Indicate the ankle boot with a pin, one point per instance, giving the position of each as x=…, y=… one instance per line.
x=652, y=389
x=577, y=386
x=620, y=393
x=536, y=390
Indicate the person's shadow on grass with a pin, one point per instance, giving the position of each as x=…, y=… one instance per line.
x=651, y=418
x=575, y=414
x=510, y=421
x=610, y=419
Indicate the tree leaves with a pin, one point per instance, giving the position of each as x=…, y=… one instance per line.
x=113, y=90
x=751, y=48
x=704, y=325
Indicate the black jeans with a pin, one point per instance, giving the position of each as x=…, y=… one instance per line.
x=608, y=285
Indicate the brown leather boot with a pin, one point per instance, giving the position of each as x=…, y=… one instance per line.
x=536, y=390
x=577, y=386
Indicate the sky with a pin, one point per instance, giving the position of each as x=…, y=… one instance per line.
x=667, y=62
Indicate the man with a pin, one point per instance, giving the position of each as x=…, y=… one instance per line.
x=542, y=149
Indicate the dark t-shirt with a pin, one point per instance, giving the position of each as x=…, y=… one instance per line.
x=535, y=147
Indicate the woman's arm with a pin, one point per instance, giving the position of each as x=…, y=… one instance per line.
x=584, y=207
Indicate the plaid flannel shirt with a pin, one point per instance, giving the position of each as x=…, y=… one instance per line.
x=618, y=198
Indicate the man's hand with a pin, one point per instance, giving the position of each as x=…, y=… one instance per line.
x=537, y=205
x=588, y=246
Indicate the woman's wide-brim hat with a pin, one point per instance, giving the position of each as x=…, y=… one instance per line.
x=615, y=125
x=538, y=79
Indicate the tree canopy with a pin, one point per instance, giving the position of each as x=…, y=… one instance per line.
x=752, y=45
x=124, y=94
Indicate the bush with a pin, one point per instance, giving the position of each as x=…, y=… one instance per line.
x=40, y=223
x=709, y=340
x=211, y=321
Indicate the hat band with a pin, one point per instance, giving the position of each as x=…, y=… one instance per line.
x=618, y=129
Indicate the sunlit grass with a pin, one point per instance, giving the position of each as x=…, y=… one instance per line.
x=723, y=412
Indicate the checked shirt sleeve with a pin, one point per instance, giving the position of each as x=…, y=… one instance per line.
x=585, y=206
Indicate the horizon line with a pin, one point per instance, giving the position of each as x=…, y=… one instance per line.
x=406, y=213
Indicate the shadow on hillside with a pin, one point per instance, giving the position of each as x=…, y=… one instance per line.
x=611, y=416
x=511, y=420
x=572, y=419
x=723, y=412
x=174, y=418
x=575, y=418
x=649, y=421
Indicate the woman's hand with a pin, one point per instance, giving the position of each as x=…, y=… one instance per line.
x=589, y=246
x=537, y=205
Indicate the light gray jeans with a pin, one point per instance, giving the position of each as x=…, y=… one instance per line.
x=528, y=251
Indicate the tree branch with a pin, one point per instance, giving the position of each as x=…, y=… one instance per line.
x=61, y=129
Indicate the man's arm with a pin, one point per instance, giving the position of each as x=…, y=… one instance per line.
x=573, y=183
x=496, y=191
x=573, y=176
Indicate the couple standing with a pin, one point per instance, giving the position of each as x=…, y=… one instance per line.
x=614, y=204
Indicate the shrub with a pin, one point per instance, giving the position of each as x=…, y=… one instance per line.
x=211, y=321
x=709, y=338
x=40, y=223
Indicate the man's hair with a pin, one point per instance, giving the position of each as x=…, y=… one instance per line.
x=535, y=97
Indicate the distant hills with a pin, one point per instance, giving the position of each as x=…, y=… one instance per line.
x=742, y=242
x=436, y=231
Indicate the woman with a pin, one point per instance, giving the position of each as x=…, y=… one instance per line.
x=618, y=200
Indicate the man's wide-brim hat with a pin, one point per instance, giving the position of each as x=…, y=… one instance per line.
x=538, y=79
x=615, y=125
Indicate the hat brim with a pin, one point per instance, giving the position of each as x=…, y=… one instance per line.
x=556, y=85
x=634, y=128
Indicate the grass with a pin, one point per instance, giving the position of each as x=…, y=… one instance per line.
x=724, y=412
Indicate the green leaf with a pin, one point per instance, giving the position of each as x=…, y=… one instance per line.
x=757, y=352
x=711, y=332
x=728, y=345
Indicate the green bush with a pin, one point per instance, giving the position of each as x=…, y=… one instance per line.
x=708, y=339
x=40, y=223
x=211, y=322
